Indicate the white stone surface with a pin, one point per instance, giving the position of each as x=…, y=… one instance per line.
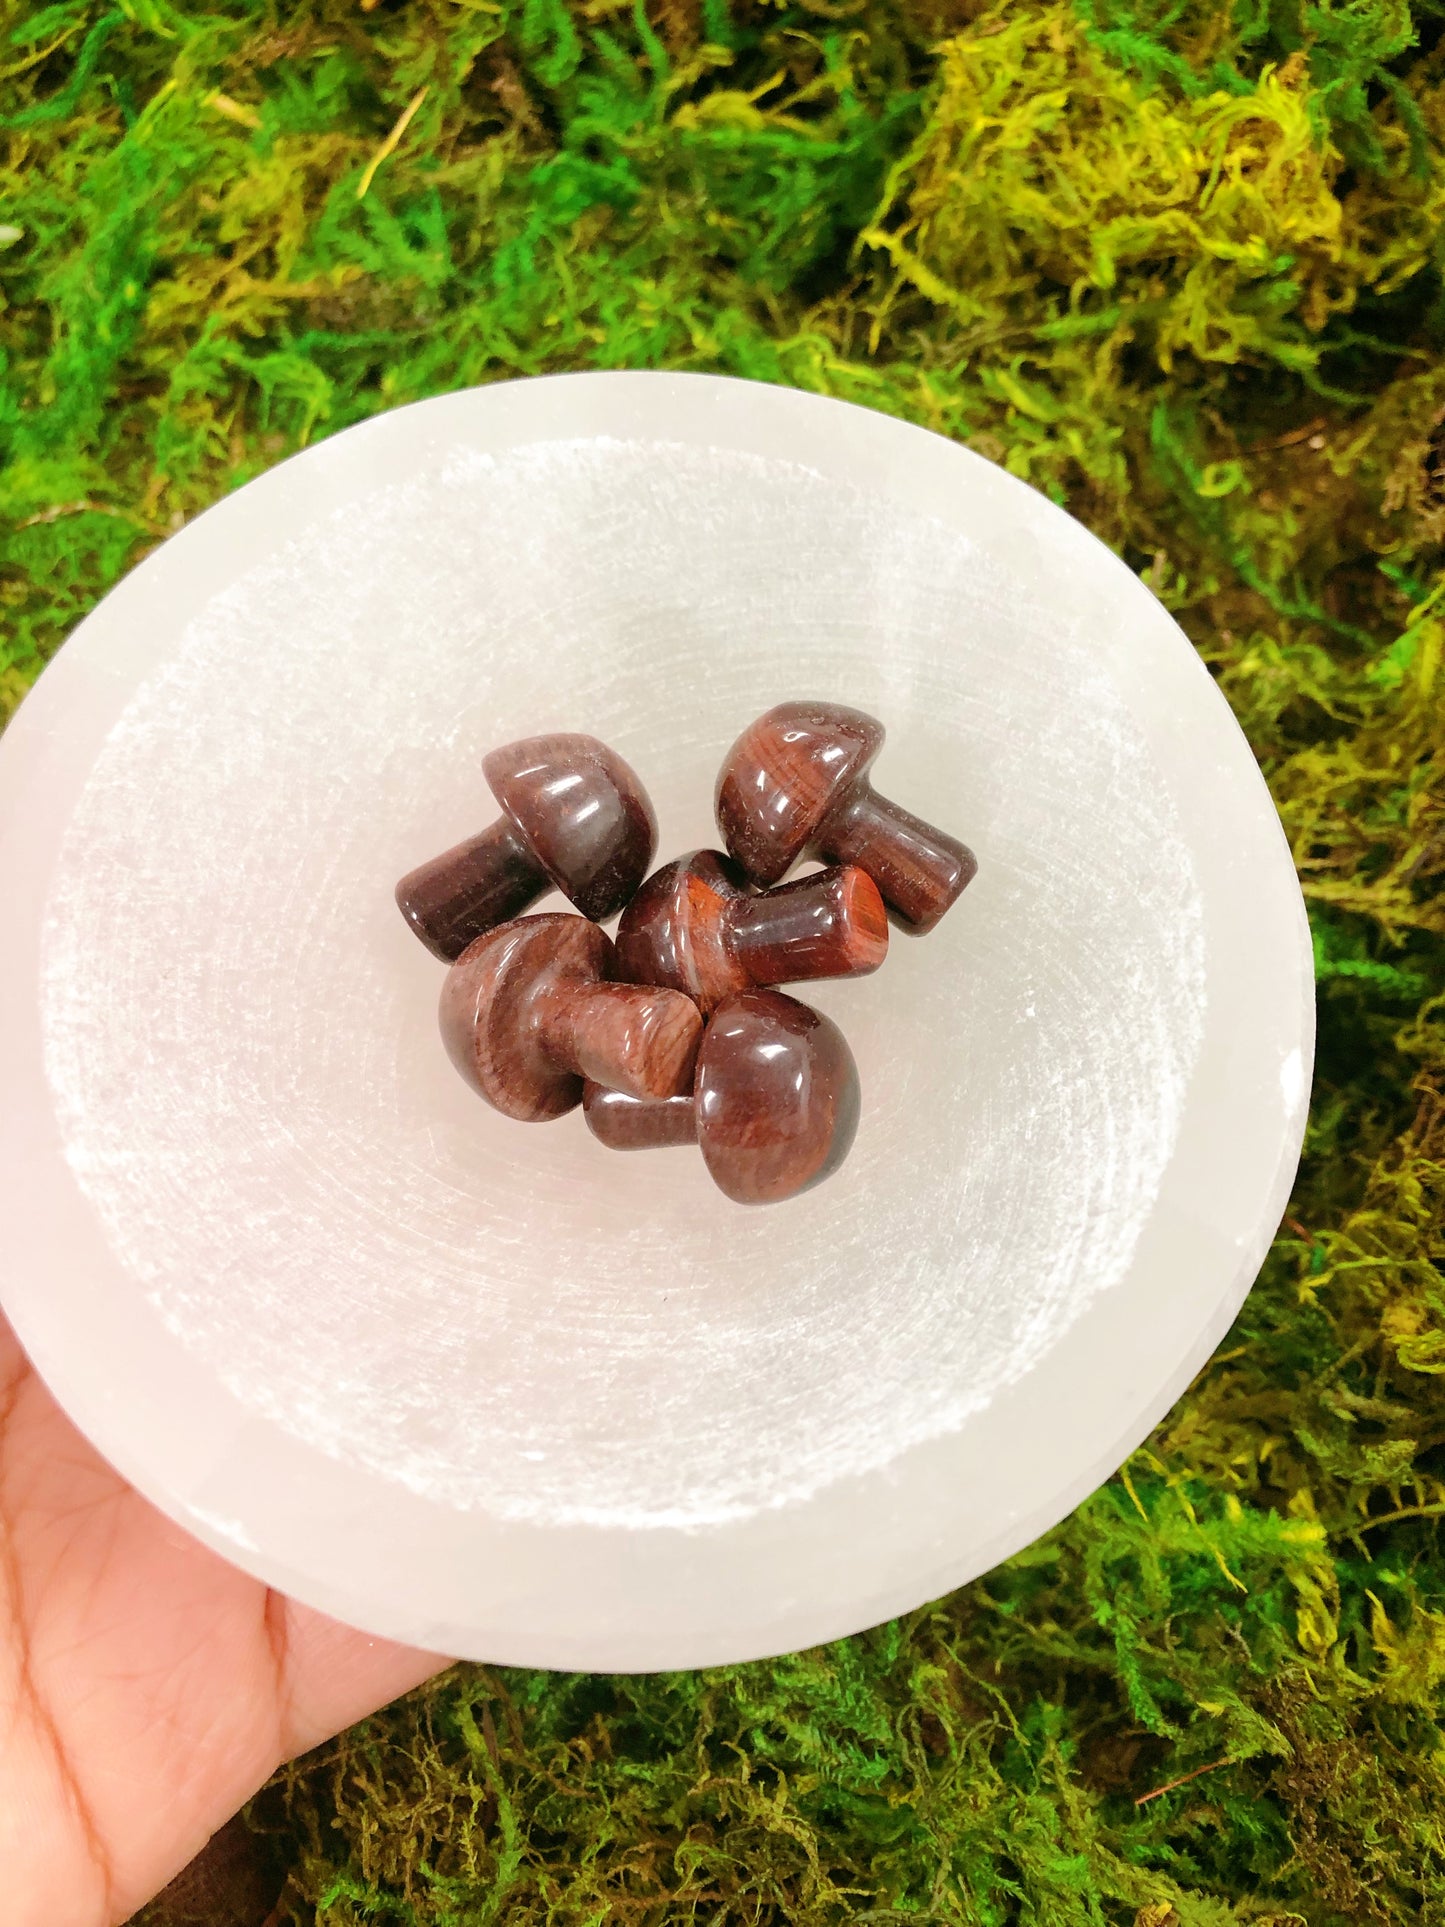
x=323, y=1305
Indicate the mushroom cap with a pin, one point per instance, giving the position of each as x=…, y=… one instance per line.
x=776, y=1097
x=490, y=1014
x=783, y=775
x=672, y=931
x=583, y=814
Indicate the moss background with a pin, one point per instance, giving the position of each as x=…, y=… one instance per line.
x=1176, y=262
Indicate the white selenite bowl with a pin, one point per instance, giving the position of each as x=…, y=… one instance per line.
x=486, y=1386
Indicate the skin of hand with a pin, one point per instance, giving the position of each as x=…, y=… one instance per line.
x=147, y=1688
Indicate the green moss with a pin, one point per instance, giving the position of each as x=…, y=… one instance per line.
x=1176, y=263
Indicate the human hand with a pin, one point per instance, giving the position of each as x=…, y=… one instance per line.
x=147, y=1688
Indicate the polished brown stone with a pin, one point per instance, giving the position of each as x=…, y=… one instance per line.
x=795, y=784
x=626, y=1123
x=574, y=818
x=528, y=1012
x=695, y=926
x=774, y=1106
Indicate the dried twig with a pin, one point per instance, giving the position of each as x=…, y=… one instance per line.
x=1159, y=1791
x=390, y=144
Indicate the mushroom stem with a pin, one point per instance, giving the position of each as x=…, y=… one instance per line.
x=470, y=889
x=919, y=869
x=830, y=924
x=633, y=1037
x=626, y=1123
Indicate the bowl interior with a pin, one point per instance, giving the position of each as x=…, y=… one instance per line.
x=241, y=1039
